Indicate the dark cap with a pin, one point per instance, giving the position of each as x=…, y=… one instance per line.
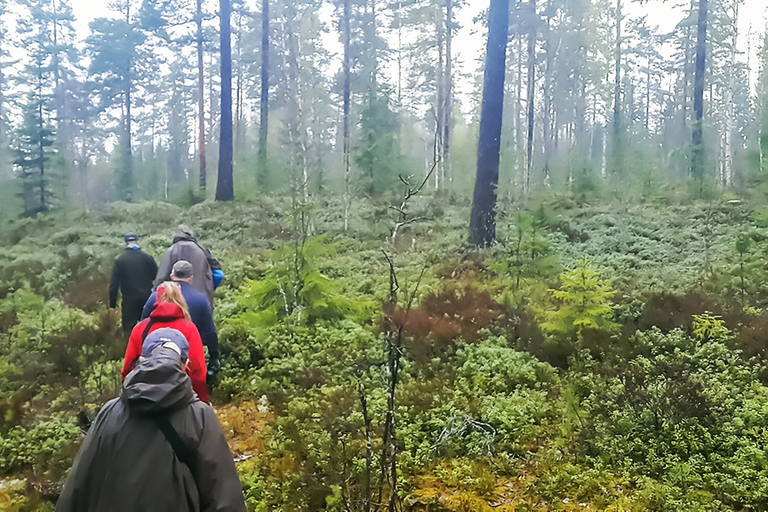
x=182, y=269
x=163, y=336
x=130, y=237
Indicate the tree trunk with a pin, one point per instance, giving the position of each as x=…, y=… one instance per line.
x=439, y=104
x=200, y=93
x=347, y=84
x=617, y=93
x=264, y=104
x=729, y=102
x=697, y=157
x=41, y=143
x=238, y=87
x=482, y=227
x=448, y=82
x=530, y=97
x=647, y=92
x=126, y=178
x=548, y=114
x=518, y=108
x=224, y=185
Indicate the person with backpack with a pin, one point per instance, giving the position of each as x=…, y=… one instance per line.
x=200, y=312
x=132, y=274
x=206, y=269
x=170, y=310
x=156, y=448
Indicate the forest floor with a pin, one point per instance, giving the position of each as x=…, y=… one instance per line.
x=600, y=357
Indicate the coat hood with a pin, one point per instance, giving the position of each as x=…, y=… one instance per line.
x=183, y=233
x=166, y=310
x=158, y=384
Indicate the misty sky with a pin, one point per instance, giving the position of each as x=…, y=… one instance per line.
x=753, y=17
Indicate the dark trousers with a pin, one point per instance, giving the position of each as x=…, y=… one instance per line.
x=132, y=312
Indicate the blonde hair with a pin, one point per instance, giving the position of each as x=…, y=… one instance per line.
x=172, y=294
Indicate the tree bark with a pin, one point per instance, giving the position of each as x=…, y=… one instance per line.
x=264, y=104
x=617, y=92
x=530, y=97
x=482, y=227
x=200, y=94
x=224, y=185
x=346, y=99
x=697, y=157
x=448, y=79
x=238, y=85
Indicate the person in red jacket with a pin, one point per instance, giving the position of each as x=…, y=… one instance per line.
x=170, y=311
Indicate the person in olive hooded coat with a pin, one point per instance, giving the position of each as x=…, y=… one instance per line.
x=129, y=462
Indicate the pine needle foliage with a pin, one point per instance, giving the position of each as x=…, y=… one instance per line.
x=584, y=298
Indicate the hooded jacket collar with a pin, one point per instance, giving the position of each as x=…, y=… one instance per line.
x=166, y=310
x=158, y=384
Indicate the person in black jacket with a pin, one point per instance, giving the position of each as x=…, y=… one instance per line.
x=133, y=274
x=156, y=448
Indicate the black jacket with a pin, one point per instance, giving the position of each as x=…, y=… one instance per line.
x=126, y=464
x=132, y=274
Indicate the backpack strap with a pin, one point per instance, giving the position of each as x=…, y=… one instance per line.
x=146, y=330
x=182, y=451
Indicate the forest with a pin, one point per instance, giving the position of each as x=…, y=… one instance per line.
x=479, y=256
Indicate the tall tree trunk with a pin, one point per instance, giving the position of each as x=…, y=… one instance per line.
x=548, y=114
x=647, y=93
x=519, y=155
x=347, y=85
x=41, y=143
x=482, y=226
x=687, y=71
x=238, y=87
x=448, y=82
x=439, y=103
x=697, y=157
x=399, y=23
x=200, y=93
x=3, y=126
x=264, y=104
x=729, y=102
x=530, y=97
x=224, y=186
x=126, y=177
x=616, y=148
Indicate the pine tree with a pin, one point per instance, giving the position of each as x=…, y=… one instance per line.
x=32, y=151
x=118, y=63
x=584, y=302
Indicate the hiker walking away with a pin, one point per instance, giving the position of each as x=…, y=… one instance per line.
x=200, y=312
x=207, y=269
x=156, y=448
x=170, y=310
x=132, y=274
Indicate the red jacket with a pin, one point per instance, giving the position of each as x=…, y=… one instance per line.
x=167, y=314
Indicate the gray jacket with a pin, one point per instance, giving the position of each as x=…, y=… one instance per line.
x=127, y=464
x=185, y=247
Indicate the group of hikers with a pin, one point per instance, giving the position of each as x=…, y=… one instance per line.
x=159, y=446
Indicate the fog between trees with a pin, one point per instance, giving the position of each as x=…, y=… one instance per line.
x=343, y=97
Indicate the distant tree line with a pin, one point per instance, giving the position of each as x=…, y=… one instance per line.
x=345, y=96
